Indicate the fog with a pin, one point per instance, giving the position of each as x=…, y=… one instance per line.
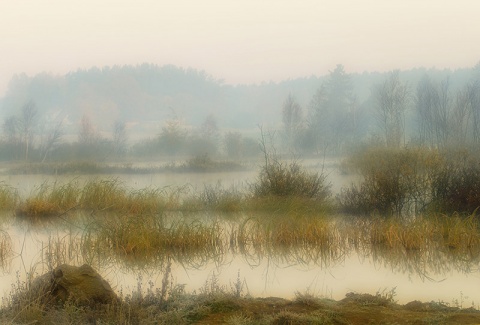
x=239, y=42
x=192, y=106
x=151, y=66
x=132, y=113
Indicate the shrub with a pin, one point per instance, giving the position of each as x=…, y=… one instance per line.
x=289, y=179
x=456, y=186
x=395, y=181
x=203, y=163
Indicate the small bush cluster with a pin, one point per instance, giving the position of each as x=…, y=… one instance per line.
x=412, y=180
x=203, y=163
x=290, y=180
x=456, y=186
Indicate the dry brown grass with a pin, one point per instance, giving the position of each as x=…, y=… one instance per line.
x=150, y=236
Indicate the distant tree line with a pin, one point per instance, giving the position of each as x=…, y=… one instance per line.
x=432, y=114
x=176, y=139
x=27, y=137
x=100, y=114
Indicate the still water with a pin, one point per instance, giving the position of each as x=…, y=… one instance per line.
x=427, y=278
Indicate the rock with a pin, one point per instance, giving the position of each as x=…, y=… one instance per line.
x=80, y=284
x=415, y=306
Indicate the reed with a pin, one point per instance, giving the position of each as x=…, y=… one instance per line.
x=112, y=195
x=151, y=236
x=8, y=197
x=103, y=194
x=421, y=244
x=144, y=201
x=459, y=232
x=394, y=233
x=50, y=199
x=293, y=206
x=215, y=197
x=62, y=249
x=424, y=233
x=108, y=194
x=6, y=249
x=300, y=240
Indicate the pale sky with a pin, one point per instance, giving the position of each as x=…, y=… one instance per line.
x=241, y=41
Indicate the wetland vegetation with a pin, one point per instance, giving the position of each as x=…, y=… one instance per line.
x=405, y=213
x=399, y=217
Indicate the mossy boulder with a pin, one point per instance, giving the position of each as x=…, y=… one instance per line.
x=81, y=285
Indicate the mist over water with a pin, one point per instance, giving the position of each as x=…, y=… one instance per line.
x=253, y=149
x=166, y=128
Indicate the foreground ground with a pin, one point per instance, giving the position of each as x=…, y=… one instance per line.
x=229, y=309
x=353, y=309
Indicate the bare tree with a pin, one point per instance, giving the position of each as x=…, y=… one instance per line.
x=426, y=102
x=332, y=112
x=392, y=99
x=233, y=143
x=87, y=134
x=11, y=136
x=207, y=137
x=434, y=107
x=173, y=136
x=445, y=119
x=52, y=139
x=472, y=93
x=292, y=117
x=209, y=128
x=119, y=138
x=10, y=129
x=442, y=114
x=26, y=125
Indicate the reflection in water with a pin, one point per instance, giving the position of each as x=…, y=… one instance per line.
x=275, y=256
x=421, y=246
x=5, y=251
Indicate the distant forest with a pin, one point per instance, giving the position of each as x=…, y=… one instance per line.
x=149, y=110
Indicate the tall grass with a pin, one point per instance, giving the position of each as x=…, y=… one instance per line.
x=150, y=237
x=112, y=195
x=103, y=194
x=414, y=245
x=460, y=233
x=51, y=199
x=426, y=246
x=8, y=197
x=290, y=240
x=99, y=195
x=215, y=197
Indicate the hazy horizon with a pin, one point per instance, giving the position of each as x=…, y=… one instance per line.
x=238, y=42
